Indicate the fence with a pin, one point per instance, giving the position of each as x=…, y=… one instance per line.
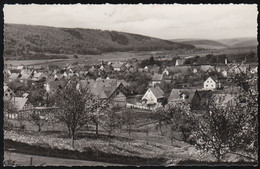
x=129, y=105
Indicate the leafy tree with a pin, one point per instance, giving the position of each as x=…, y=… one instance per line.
x=98, y=112
x=74, y=106
x=232, y=127
x=111, y=121
x=36, y=119
x=128, y=120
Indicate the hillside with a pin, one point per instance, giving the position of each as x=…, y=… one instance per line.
x=23, y=41
x=239, y=42
x=202, y=43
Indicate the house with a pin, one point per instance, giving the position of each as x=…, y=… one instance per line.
x=20, y=67
x=207, y=68
x=146, y=69
x=179, y=62
x=25, y=77
x=21, y=104
x=175, y=70
x=183, y=95
x=8, y=93
x=53, y=85
x=211, y=84
x=165, y=71
x=110, y=90
x=14, y=76
x=157, y=79
x=154, y=97
x=119, y=66
x=140, y=69
x=39, y=76
x=154, y=69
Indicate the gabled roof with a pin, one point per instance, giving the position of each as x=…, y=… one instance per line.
x=211, y=78
x=25, y=76
x=206, y=68
x=19, y=102
x=154, y=69
x=37, y=75
x=5, y=88
x=157, y=91
x=223, y=99
x=182, y=69
x=87, y=83
x=157, y=77
x=14, y=76
x=118, y=64
x=55, y=84
x=176, y=94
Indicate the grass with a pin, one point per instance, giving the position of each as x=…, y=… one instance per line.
x=25, y=160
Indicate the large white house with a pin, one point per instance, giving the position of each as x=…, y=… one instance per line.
x=211, y=84
x=153, y=97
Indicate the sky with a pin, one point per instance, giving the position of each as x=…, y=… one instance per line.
x=173, y=21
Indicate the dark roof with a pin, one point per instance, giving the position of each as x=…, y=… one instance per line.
x=157, y=77
x=176, y=94
x=157, y=91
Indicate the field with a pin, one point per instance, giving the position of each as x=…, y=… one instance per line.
x=144, y=141
x=124, y=56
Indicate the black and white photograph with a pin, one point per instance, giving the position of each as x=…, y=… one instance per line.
x=130, y=84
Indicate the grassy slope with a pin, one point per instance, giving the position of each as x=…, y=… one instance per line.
x=203, y=43
x=82, y=41
x=239, y=42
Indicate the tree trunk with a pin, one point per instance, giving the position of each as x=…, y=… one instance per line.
x=39, y=129
x=96, y=128
x=72, y=139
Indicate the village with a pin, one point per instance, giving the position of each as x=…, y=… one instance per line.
x=29, y=87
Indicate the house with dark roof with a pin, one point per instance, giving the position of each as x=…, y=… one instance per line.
x=52, y=86
x=14, y=76
x=110, y=90
x=156, y=79
x=8, y=93
x=154, y=97
x=190, y=96
x=119, y=66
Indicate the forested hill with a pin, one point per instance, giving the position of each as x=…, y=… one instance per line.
x=23, y=40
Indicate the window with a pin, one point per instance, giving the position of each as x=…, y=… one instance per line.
x=206, y=85
x=211, y=85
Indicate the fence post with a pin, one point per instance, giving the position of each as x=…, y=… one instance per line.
x=31, y=161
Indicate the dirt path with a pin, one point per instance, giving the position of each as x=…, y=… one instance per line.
x=24, y=160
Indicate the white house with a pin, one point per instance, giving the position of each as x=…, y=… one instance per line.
x=153, y=97
x=211, y=84
x=179, y=62
x=165, y=72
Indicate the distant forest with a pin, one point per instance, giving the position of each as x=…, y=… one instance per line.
x=42, y=42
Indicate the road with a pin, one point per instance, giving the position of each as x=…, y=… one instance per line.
x=24, y=160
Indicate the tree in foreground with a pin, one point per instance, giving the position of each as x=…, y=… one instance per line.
x=229, y=128
x=74, y=106
x=36, y=119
